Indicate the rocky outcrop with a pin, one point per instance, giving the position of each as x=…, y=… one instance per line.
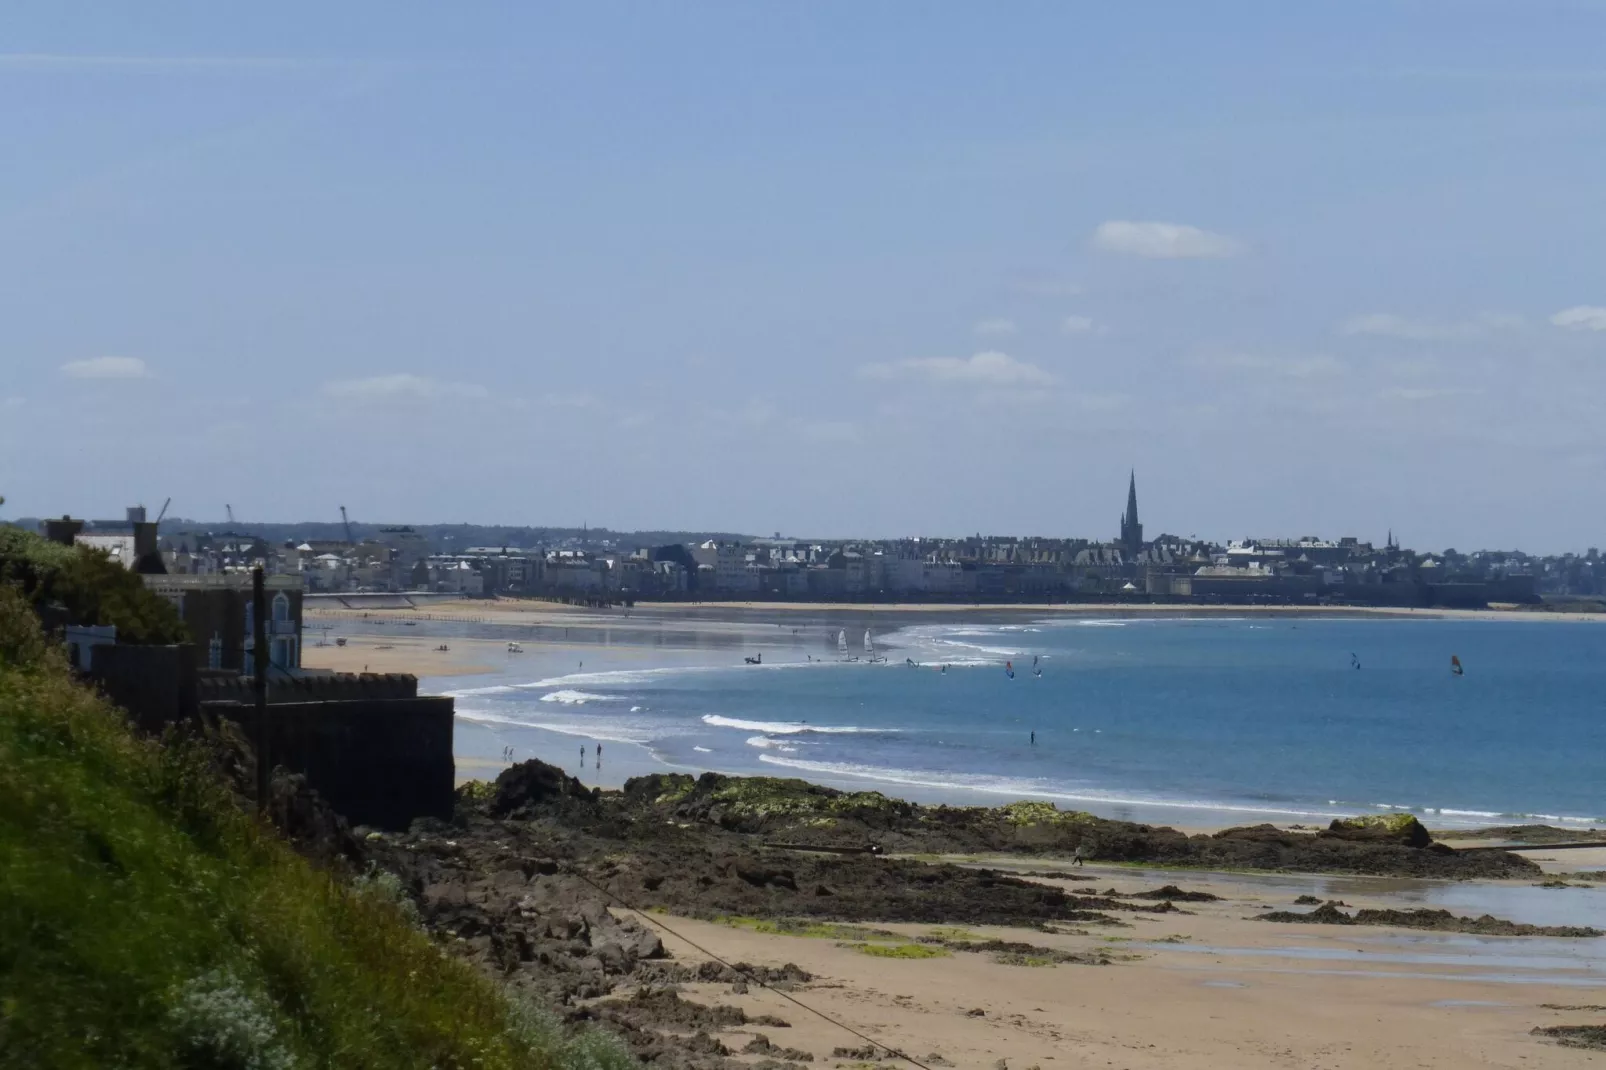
x=1403, y=829
x=1437, y=920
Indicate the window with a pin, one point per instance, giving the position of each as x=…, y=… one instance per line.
x=281, y=607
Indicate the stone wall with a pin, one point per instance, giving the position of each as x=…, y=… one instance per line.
x=380, y=762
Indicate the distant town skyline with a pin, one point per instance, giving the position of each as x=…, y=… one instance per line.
x=827, y=269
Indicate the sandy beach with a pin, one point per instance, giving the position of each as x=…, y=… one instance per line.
x=1206, y=986
x=1206, y=989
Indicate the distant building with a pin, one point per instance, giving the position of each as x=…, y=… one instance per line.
x=220, y=614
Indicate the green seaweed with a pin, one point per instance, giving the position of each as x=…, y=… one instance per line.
x=900, y=951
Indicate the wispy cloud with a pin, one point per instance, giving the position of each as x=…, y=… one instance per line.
x=996, y=327
x=1426, y=393
x=991, y=368
x=1389, y=325
x=1163, y=241
x=1297, y=366
x=1079, y=325
x=1581, y=318
x=13, y=403
x=402, y=386
x=64, y=62
x=827, y=430
x=106, y=368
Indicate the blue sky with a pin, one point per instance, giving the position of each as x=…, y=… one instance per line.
x=829, y=269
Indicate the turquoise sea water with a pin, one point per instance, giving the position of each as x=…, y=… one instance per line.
x=1160, y=719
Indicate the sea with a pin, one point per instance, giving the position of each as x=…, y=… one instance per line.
x=1174, y=720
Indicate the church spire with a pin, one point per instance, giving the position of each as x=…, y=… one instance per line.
x=1131, y=529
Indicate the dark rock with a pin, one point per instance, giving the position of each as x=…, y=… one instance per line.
x=533, y=786
x=1403, y=829
x=760, y=1045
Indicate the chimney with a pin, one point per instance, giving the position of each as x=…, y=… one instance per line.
x=147, y=552
x=63, y=530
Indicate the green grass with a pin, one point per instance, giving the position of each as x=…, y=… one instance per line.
x=146, y=921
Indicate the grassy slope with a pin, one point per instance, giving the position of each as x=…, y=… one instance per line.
x=145, y=921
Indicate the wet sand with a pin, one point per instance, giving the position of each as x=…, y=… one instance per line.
x=1210, y=988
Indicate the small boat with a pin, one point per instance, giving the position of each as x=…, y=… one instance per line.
x=340, y=640
x=869, y=649
x=514, y=648
x=842, y=641
x=756, y=659
x=1455, y=666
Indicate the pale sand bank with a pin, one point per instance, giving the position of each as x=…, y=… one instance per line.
x=419, y=656
x=1225, y=992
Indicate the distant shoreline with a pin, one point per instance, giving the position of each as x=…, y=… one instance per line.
x=489, y=608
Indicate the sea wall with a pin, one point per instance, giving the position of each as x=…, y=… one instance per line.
x=380, y=762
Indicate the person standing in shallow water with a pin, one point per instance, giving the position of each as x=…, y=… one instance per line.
x=1034, y=737
x=582, y=756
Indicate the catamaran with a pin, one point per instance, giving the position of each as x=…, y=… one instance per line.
x=869, y=649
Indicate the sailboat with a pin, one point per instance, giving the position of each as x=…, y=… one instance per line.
x=1035, y=670
x=869, y=649
x=1455, y=666
x=842, y=644
x=1009, y=669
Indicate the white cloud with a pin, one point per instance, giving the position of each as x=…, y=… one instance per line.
x=1426, y=393
x=1581, y=318
x=1163, y=241
x=1292, y=367
x=1077, y=325
x=990, y=368
x=828, y=431
x=995, y=327
x=1388, y=325
x=12, y=403
x=400, y=387
x=106, y=368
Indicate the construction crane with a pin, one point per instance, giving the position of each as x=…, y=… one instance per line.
x=349, y=540
x=164, y=510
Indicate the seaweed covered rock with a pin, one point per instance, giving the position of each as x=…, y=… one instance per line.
x=533, y=787
x=765, y=804
x=1380, y=828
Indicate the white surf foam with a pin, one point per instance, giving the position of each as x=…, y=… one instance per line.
x=782, y=728
x=574, y=698
x=1023, y=788
x=612, y=733
x=705, y=750
x=766, y=743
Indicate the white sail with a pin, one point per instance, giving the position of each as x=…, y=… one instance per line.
x=869, y=645
x=842, y=641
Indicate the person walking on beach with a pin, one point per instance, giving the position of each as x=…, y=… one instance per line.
x=1080, y=855
x=582, y=756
